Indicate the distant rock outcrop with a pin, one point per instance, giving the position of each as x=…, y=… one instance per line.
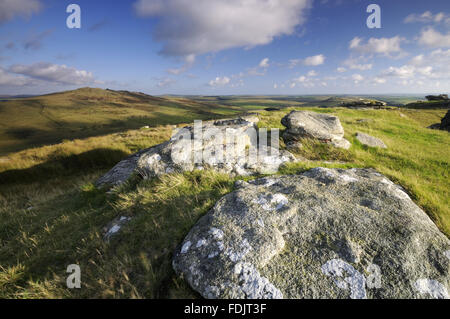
x=323, y=127
x=371, y=141
x=444, y=125
x=326, y=233
x=440, y=97
x=364, y=104
x=229, y=146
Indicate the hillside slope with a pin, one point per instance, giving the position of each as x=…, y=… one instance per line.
x=49, y=119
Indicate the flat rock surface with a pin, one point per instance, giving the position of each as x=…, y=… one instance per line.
x=368, y=140
x=327, y=233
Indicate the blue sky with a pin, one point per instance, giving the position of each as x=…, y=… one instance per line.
x=217, y=47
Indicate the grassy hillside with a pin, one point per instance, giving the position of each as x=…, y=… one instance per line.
x=42, y=120
x=51, y=215
x=86, y=112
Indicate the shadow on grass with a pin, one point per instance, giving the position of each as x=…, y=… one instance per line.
x=135, y=263
x=64, y=165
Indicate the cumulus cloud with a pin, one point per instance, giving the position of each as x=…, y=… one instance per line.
x=264, y=63
x=309, y=80
x=188, y=62
x=403, y=72
x=215, y=25
x=431, y=38
x=357, y=78
x=6, y=78
x=61, y=74
x=378, y=80
x=165, y=82
x=314, y=60
x=354, y=64
x=259, y=70
x=428, y=17
x=341, y=69
x=220, y=81
x=12, y=8
x=435, y=65
x=383, y=46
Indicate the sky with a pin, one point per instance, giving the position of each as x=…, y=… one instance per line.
x=226, y=47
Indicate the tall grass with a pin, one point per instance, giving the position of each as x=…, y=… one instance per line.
x=51, y=215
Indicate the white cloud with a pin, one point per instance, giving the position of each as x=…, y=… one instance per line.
x=435, y=65
x=259, y=70
x=314, y=60
x=54, y=73
x=215, y=25
x=264, y=63
x=357, y=78
x=312, y=73
x=301, y=79
x=165, y=82
x=341, y=69
x=432, y=66
x=417, y=60
x=378, y=80
x=403, y=72
x=275, y=86
x=12, y=8
x=220, y=81
x=434, y=39
x=188, y=62
x=9, y=79
x=354, y=65
x=383, y=46
x=428, y=17
x=294, y=62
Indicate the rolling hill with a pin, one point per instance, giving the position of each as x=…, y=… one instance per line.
x=52, y=118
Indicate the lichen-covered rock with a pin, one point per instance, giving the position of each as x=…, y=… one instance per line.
x=121, y=172
x=368, y=140
x=229, y=146
x=228, y=154
x=327, y=233
x=323, y=127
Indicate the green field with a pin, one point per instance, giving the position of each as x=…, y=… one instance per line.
x=51, y=215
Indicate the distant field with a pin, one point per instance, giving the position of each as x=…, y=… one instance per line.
x=43, y=120
x=303, y=100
